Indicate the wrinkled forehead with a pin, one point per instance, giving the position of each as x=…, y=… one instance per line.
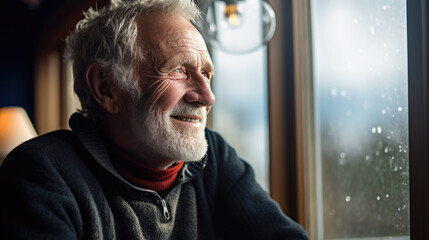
x=166, y=32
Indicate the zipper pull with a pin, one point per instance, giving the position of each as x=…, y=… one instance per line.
x=165, y=209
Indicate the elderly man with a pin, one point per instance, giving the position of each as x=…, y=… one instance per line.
x=138, y=163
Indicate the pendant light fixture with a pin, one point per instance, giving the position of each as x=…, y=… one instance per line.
x=238, y=26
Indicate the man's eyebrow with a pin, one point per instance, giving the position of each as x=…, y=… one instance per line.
x=209, y=66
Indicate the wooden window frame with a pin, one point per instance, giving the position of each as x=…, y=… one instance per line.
x=418, y=100
x=293, y=171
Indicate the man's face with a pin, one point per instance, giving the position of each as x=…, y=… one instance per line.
x=175, y=82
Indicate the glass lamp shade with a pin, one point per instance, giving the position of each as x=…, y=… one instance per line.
x=238, y=26
x=15, y=128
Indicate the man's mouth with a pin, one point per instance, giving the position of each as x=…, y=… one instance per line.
x=187, y=119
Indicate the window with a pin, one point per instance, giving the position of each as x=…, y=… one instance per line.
x=361, y=118
x=240, y=113
x=361, y=91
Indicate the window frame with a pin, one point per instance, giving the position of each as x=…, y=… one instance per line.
x=293, y=168
x=418, y=100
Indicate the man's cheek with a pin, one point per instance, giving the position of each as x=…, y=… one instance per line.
x=156, y=90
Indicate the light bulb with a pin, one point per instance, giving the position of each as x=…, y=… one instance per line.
x=238, y=26
x=232, y=15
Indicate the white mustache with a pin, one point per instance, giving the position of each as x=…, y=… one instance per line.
x=187, y=109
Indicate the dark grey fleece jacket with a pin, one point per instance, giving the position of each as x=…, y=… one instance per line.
x=62, y=185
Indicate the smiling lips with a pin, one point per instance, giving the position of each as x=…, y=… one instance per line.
x=193, y=119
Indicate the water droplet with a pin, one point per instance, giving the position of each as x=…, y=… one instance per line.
x=378, y=198
x=383, y=111
x=393, y=157
x=379, y=129
x=372, y=30
x=386, y=150
x=342, y=155
x=367, y=157
x=348, y=198
x=343, y=93
x=385, y=7
x=342, y=161
x=399, y=209
x=387, y=195
x=377, y=153
x=399, y=109
x=334, y=92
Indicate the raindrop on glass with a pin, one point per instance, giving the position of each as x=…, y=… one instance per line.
x=348, y=199
x=372, y=30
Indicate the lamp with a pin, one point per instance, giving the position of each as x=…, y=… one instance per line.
x=15, y=128
x=238, y=26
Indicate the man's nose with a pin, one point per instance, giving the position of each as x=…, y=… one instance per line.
x=200, y=93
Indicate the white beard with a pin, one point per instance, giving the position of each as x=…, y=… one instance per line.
x=157, y=132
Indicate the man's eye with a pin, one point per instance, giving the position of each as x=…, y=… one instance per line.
x=179, y=72
x=206, y=75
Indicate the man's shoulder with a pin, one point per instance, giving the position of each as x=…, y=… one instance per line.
x=45, y=149
x=214, y=138
x=220, y=153
x=49, y=142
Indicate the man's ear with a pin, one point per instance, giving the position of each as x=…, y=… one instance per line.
x=102, y=88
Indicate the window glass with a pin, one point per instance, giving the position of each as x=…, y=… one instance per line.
x=361, y=115
x=240, y=113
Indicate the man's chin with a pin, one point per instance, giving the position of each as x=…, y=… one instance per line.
x=189, y=150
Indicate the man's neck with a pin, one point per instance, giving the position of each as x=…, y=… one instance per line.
x=122, y=146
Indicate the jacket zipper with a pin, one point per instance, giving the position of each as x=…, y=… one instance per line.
x=165, y=209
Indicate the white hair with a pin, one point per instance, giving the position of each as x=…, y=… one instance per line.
x=107, y=36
